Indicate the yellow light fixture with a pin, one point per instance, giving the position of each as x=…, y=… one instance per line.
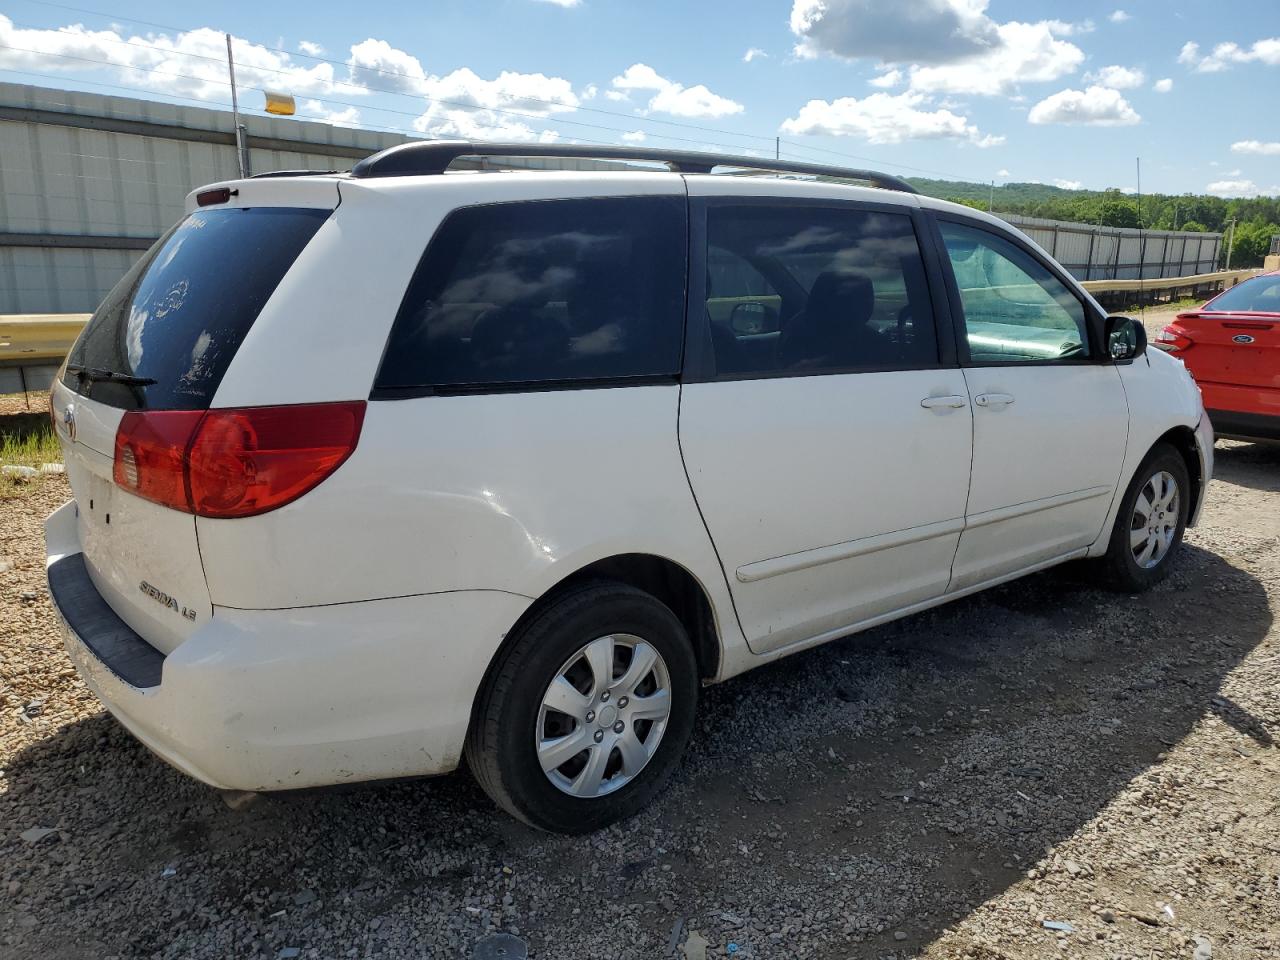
x=280, y=103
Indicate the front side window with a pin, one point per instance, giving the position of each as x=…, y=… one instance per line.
x=543, y=292
x=1015, y=309
x=796, y=289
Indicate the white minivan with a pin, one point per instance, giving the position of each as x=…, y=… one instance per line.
x=379, y=470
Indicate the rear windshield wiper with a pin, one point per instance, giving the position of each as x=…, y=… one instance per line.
x=99, y=375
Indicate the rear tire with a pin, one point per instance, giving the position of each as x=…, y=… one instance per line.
x=1150, y=523
x=586, y=714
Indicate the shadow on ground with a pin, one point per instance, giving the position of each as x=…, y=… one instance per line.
x=1254, y=465
x=889, y=782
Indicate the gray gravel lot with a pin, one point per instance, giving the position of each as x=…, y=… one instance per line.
x=938, y=787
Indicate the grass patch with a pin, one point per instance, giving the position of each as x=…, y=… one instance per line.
x=1186, y=303
x=26, y=445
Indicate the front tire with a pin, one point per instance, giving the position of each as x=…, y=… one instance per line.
x=586, y=714
x=1150, y=523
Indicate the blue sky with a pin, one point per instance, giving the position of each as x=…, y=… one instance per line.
x=1066, y=93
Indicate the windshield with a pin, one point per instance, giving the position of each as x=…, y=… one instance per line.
x=165, y=335
x=1258, y=295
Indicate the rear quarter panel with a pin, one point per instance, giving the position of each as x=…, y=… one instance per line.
x=501, y=491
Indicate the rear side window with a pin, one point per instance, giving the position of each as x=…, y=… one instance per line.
x=179, y=315
x=544, y=292
x=794, y=289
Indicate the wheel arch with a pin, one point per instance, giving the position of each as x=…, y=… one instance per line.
x=657, y=576
x=1183, y=440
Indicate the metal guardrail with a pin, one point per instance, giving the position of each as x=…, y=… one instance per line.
x=1227, y=277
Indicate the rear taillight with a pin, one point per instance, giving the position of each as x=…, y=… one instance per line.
x=1173, y=340
x=233, y=463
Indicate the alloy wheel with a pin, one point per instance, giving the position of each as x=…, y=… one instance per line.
x=1154, y=524
x=603, y=715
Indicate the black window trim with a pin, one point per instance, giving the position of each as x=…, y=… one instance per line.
x=414, y=392
x=699, y=365
x=1094, y=320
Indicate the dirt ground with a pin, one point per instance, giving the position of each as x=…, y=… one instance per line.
x=937, y=788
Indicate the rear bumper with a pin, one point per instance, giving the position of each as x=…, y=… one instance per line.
x=283, y=699
x=1242, y=412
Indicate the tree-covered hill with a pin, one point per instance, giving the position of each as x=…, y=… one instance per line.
x=1258, y=218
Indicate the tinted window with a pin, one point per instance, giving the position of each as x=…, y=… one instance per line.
x=1014, y=308
x=181, y=312
x=827, y=290
x=1259, y=295
x=558, y=290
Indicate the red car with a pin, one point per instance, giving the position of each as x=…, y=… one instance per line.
x=1231, y=345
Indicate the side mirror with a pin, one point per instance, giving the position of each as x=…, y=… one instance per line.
x=1126, y=338
x=750, y=318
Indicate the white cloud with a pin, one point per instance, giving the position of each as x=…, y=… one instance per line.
x=951, y=46
x=754, y=53
x=346, y=117
x=1068, y=184
x=887, y=80
x=464, y=104
x=1065, y=28
x=1225, y=55
x=674, y=98
x=1096, y=106
x=1119, y=16
x=1117, y=77
x=1163, y=86
x=1027, y=53
x=906, y=31
x=160, y=62
x=617, y=95
x=635, y=136
x=1002, y=173
x=310, y=48
x=1240, y=188
x=1233, y=173
x=885, y=118
x=564, y=3
x=1270, y=149
x=378, y=63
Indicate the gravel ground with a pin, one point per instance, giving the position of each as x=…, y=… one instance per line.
x=936, y=788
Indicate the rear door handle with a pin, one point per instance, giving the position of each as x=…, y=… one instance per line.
x=949, y=403
x=993, y=399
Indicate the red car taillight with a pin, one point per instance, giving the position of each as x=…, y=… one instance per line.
x=1173, y=340
x=233, y=463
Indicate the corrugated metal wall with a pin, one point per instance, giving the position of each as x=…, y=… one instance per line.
x=1115, y=253
x=81, y=168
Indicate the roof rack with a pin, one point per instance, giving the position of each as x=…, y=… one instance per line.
x=425, y=157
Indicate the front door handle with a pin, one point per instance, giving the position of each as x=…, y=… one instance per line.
x=948, y=403
x=993, y=399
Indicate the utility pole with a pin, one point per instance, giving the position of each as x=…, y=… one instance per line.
x=991, y=197
x=777, y=148
x=242, y=154
x=1231, y=241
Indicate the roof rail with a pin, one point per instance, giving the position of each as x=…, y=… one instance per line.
x=424, y=157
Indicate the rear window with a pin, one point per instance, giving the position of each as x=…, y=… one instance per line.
x=539, y=293
x=179, y=315
x=1259, y=295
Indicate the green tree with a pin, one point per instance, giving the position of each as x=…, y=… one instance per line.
x=1252, y=242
